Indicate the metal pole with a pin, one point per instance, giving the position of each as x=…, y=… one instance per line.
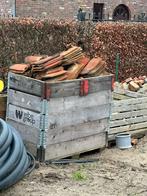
x=14, y=9
x=117, y=67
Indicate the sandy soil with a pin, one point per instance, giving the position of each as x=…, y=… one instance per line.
x=117, y=173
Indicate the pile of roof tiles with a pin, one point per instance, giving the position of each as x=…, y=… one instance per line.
x=67, y=65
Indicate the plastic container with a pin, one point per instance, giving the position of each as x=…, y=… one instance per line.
x=123, y=141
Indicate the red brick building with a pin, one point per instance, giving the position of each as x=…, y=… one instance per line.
x=7, y=7
x=67, y=9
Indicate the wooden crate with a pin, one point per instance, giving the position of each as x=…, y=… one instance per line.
x=57, y=119
x=129, y=114
x=3, y=104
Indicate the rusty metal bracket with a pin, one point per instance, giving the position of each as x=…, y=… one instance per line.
x=40, y=154
x=112, y=83
x=46, y=91
x=43, y=91
x=84, y=88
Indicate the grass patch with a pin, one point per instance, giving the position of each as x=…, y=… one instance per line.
x=79, y=176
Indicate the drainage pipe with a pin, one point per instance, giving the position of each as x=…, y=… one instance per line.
x=14, y=160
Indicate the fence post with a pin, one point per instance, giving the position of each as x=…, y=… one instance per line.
x=117, y=67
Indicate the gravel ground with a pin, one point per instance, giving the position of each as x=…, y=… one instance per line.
x=116, y=173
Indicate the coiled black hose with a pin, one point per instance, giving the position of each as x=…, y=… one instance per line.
x=15, y=162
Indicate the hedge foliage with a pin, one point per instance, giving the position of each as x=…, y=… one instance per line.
x=22, y=37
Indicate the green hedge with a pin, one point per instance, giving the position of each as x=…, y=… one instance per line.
x=22, y=37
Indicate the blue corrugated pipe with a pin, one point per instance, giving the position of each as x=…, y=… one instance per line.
x=15, y=162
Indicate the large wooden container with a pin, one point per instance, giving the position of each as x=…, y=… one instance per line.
x=60, y=119
x=3, y=104
x=129, y=114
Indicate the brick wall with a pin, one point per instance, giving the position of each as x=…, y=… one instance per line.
x=67, y=9
x=7, y=7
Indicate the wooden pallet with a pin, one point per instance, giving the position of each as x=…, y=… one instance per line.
x=129, y=115
x=3, y=103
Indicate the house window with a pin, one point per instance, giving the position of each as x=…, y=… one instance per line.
x=98, y=11
x=121, y=12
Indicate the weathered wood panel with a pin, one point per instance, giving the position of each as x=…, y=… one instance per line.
x=24, y=116
x=128, y=128
x=119, y=96
x=133, y=133
x=3, y=101
x=129, y=121
x=119, y=116
x=77, y=146
x=58, y=89
x=25, y=84
x=129, y=93
x=129, y=108
x=3, y=105
x=128, y=116
x=25, y=100
x=72, y=87
x=77, y=131
x=29, y=135
x=64, y=104
x=130, y=101
x=74, y=110
x=87, y=114
x=124, y=106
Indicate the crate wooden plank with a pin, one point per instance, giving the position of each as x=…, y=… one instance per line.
x=77, y=146
x=58, y=105
x=130, y=121
x=3, y=104
x=25, y=100
x=130, y=102
x=58, y=89
x=77, y=131
x=133, y=133
x=87, y=114
x=30, y=135
x=128, y=128
x=100, y=83
x=129, y=108
x=3, y=101
x=129, y=93
x=24, y=116
x=25, y=84
x=119, y=116
x=119, y=96
x=72, y=87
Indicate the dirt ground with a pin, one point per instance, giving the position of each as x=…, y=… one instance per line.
x=116, y=173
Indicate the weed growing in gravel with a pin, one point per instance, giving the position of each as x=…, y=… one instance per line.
x=79, y=176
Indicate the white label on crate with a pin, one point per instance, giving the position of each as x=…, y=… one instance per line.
x=24, y=116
